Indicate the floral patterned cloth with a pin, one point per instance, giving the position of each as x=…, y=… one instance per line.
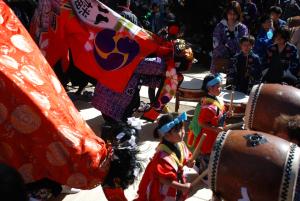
x=226, y=43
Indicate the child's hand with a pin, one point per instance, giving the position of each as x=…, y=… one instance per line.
x=190, y=163
x=229, y=114
x=219, y=129
x=186, y=187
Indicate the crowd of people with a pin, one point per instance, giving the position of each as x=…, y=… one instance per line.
x=270, y=58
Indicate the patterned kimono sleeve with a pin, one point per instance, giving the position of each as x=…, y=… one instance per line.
x=294, y=62
x=218, y=43
x=232, y=71
x=243, y=31
x=152, y=66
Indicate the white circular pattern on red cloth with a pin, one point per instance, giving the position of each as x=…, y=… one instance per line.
x=9, y=62
x=75, y=114
x=30, y=74
x=24, y=119
x=91, y=144
x=70, y=137
x=57, y=154
x=36, y=111
x=6, y=49
x=56, y=84
x=18, y=80
x=12, y=24
x=77, y=180
x=21, y=43
x=41, y=99
x=3, y=113
x=1, y=19
x=26, y=171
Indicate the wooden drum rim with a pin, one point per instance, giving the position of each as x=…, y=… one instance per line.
x=290, y=174
x=214, y=160
x=250, y=108
x=188, y=89
x=290, y=171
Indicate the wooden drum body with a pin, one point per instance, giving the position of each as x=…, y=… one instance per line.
x=269, y=101
x=252, y=164
x=189, y=90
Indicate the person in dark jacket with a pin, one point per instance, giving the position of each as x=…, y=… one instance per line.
x=275, y=13
x=123, y=9
x=264, y=37
x=282, y=59
x=245, y=70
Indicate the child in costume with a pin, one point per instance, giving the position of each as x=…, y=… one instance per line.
x=245, y=70
x=209, y=116
x=163, y=178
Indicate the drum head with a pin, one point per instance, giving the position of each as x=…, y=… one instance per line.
x=238, y=97
x=195, y=83
x=191, y=83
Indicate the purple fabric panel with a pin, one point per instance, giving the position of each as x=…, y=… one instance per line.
x=113, y=104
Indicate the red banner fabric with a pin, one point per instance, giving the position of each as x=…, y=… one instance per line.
x=104, y=45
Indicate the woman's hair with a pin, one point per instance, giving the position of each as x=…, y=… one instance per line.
x=163, y=121
x=206, y=80
x=283, y=32
x=236, y=8
x=290, y=125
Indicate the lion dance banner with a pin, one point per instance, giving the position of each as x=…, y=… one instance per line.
x=41, y=132
x=104, y=45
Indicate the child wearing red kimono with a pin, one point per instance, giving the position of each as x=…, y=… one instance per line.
x=163, y=178
x=209, y=117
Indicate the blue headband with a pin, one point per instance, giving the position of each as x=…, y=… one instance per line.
x=167, y=127
x=213, y=82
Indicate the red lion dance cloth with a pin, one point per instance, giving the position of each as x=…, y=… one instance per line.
x=42, y=133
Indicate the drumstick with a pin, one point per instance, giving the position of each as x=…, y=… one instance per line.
x=198, y=148
x=235, y=125
x=231, y=102
x=200, y=177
